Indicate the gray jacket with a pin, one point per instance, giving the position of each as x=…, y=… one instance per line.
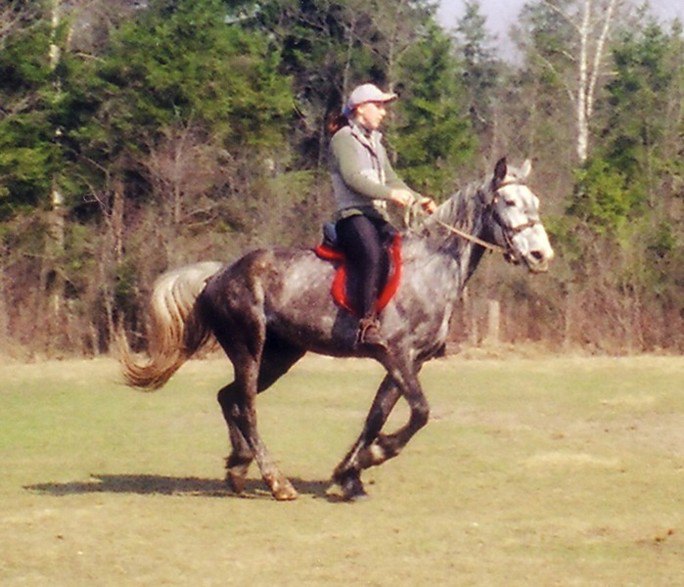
x=362, y=175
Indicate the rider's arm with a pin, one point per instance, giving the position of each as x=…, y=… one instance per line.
x=356, y=176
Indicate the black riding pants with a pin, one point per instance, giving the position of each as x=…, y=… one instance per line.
x=362, y=239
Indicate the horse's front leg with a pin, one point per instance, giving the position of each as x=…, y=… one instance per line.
x=386, y=446
x=348, y=473
x=374, y=448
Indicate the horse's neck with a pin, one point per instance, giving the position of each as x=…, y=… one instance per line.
x=442, y=266
x=465, y=212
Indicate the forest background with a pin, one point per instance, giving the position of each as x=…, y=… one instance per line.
x=137, y=136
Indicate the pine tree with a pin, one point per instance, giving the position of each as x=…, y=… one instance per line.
x=433, y=137
x=481, y=68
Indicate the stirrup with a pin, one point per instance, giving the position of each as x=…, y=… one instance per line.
x=369, y=333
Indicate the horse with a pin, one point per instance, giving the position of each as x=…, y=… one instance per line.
x=271, y=306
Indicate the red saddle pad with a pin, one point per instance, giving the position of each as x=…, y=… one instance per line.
x=339, y=284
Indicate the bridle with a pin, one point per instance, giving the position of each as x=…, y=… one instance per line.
x=508, y=232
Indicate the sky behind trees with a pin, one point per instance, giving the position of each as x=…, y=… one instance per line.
x=501, y=14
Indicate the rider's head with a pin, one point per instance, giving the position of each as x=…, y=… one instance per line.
x=366, y=105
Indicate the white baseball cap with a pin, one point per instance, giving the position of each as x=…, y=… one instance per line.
x=366, y=93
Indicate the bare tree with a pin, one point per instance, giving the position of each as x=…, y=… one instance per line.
x=592, y=48
x=56, y=217
x=589, y=23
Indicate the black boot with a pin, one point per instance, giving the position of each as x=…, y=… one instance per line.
x=369, y=333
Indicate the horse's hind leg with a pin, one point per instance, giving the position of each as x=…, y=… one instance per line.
x=275, y=362
x=241, y=455
x=246, y=377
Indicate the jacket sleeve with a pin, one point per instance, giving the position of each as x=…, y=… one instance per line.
x=343, y=150
x=392, y=180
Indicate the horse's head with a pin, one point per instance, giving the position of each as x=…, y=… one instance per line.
x=515, y=212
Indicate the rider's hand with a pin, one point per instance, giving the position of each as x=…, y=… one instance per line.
x=428, y=204
x=402, y=197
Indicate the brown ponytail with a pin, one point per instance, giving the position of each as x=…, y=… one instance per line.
x=335, y=122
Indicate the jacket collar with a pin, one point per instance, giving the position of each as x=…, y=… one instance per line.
x=368, y=139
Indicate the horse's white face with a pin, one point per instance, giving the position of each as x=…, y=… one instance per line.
x=517, y=211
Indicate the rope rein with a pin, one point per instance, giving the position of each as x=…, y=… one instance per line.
x=470, y=237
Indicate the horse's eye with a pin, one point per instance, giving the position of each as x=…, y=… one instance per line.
x=510, y=202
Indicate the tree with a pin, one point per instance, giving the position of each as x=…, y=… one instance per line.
x=481, y=68
x=569, y=38
x=622, y=206
x=433, y=138
x=182, y=93
x=16, y=18
x=631, y=158
x=27, y=148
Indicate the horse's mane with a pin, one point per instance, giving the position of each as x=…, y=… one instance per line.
x=460, y=210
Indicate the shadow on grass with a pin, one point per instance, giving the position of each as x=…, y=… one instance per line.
x=162, y=485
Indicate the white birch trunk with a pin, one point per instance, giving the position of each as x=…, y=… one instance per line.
x=589, y=69
x=583, y=64
x=598, y=56
x=56, y=221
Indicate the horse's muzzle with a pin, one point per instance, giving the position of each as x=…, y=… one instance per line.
x=538, y=261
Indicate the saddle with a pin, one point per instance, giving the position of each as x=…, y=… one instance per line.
x=329, y=251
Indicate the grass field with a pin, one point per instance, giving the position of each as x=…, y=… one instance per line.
x=558, y=471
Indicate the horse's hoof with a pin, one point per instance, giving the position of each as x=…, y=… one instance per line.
x=357, y=496
x=352, y=488
x=235, y=482
x=236, y=473
x=283, y=491
x=236, y=478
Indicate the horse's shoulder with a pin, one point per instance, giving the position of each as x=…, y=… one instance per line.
x=414, y=246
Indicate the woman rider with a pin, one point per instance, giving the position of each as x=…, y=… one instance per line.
x=363, y=183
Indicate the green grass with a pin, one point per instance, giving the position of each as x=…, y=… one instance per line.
x=532, y=472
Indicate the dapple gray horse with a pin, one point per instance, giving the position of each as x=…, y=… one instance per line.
x=272, y=305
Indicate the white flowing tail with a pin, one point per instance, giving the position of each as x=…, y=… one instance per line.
x=175, y=332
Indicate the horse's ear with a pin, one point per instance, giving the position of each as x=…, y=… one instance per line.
x=525, y=169
x=500, y=169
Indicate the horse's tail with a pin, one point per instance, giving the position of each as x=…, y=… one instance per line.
x=176, y=330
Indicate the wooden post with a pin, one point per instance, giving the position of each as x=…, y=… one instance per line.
x=493, y=322
x=569, y=325
x=469, y=317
